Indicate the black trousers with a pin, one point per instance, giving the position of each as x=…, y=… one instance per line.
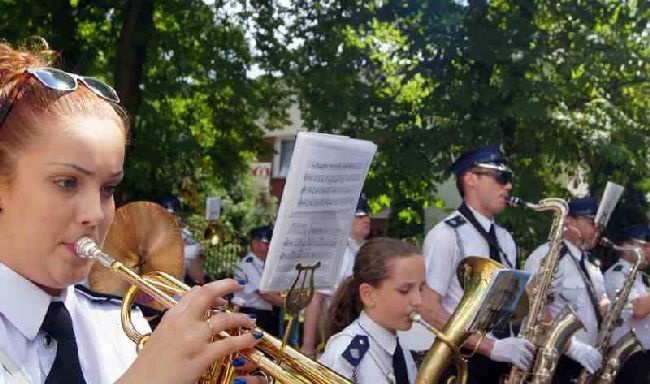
x=482, y=370
x=636, y=369
x=267, y=320
x=567, y=370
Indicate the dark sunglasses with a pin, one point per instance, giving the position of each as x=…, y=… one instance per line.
x=501, y=177
x=57, y=80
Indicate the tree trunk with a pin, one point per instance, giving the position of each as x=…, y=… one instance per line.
x=137, y=31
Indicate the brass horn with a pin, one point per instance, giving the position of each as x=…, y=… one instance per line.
x=285, y=365
x=481, y=308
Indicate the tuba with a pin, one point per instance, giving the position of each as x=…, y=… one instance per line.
x=549, y=342
x=629, y=344
x=285, y=365
x=480, y=309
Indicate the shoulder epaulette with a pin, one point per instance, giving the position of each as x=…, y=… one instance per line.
x=98, y=297
x=249, y=259
x=356, y=350
x=617, y=268
x=455, y=221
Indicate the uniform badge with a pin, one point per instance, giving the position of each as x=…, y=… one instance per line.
x=455, y=221
x=356, y=350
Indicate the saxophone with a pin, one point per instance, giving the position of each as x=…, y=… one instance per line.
x=611, y=321
x=549, y=344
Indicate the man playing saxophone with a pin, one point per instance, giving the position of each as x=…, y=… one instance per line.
x=579, y=284
x=637, y=368
x=484, y=181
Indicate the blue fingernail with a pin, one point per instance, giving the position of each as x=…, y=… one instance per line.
x=238, y=362
x=252, y=315
x=258, y=335
x=241, y=282
x=239, y=380
x=257, y=373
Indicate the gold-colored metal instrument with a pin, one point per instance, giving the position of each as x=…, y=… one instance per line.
x=549, y=342
x=145, y=238
x=479, y=310
x=609, y=324
x=618, y=354
x=285, y=365
x=548, y=354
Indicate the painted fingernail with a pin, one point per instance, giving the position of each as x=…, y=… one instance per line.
x=252, y=315
x=239, y=380
x=258, y=335
x=257, y=373
x=241, y=282
x=238, y=362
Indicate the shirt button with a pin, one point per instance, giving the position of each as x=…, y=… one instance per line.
x=47, y=341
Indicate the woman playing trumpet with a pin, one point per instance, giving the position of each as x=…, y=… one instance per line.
x=62, y=146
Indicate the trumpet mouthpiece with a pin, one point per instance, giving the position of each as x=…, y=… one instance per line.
x=85, y=247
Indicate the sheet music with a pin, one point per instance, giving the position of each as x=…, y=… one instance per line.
x=323, y=185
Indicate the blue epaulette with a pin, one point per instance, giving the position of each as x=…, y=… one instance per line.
x=103, y=298
x=456, y=221
x=356, y=350
x=249, y=259
x=618, y=268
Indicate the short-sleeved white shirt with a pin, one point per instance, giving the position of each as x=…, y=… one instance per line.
x=105, y=352
x=250, y=270
x=574, y=292
x=191, y=247
x=442, y=253
x=376, y=365
x=615, y=277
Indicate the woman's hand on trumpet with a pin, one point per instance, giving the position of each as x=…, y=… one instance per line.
x=184, y=343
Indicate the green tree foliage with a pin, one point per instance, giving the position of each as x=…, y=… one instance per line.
x=180, y=68
x=563, y=85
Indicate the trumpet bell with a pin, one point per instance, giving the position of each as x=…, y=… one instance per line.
x=145, y=238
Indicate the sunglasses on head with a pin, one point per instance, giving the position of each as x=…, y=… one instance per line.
x=501, y=177
x=57, y=80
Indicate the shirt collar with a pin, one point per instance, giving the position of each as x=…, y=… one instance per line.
x=484, y=221
x=386, y=339
x=256, y=260
x=354, y=245
x=27, y=304
x=573, y=250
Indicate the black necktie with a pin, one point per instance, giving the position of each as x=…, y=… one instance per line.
x=590, y=288
x=58, y=325
x=494, y=250
x=399, y=365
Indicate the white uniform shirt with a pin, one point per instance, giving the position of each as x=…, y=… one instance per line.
x=347, y=266
x=191, y=248
x=442, y=253
x=104, y=350
x=376, y=365
x=250, y=270
x=574, y=292
x=615, y=277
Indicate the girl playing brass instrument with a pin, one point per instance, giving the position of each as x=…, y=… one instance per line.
x=368, y=310
x=62, y=146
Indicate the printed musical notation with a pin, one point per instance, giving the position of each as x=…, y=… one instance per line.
x=323, y=186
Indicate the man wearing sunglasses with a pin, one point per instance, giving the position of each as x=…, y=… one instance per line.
x=578, y=283
x=484, y=181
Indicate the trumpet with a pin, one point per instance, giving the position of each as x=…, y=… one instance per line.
x=292, y=367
